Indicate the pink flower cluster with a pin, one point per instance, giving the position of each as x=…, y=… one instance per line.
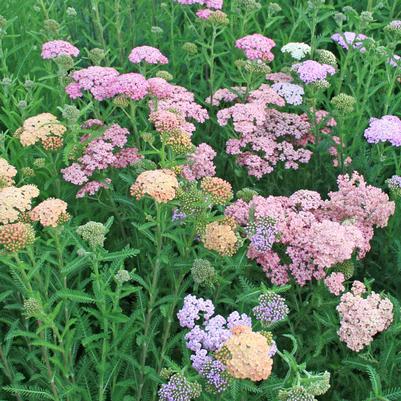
x=362, y=317
x=99, y=155
x=148, y=54
x=269, y=136
x=335, y=283
x=347, y=39
x=200, y=163
x=316, y=234
x=57, y=48
x=311, y=71
x=256, y=47
x=225, y=95
x=385, y=129
x=176, y=98
x=215, y=4
x=106, y=82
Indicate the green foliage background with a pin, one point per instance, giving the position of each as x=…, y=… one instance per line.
x=100, y=340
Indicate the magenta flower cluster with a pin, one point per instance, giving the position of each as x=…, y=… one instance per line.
x=200, y=163
x=362, y=317
x=385, y=129
x=57, y=48
x=105, y=83
x=147, y=54
x=256, y=47
x=316, y=234
x=99, y=155
x=311, y=71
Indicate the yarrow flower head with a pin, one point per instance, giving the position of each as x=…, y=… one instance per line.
x=147, y=54
x=254, y=364
x=179, y=389
x=262, y=234
x=271, y=309
x=218, y=189
x=297, y=393
x=44, y=128
x=362, y=317
x=326, y=57
x=161, y=185
x=347, y=39
x=335, y=283
x=385, y=129
x=7, y=173
x=97, y=80
x=256, y=47
x=203, y=273
x=345, y=104
x=56, y=48
x=311, y=71
x=220, y=237
x=50, y=212
x=394, y=184
x=394, y=27
x=290, y=92
x=200, y=163
x=16, y=236
x=93, y=233
x=14, y=201
x=298, y=51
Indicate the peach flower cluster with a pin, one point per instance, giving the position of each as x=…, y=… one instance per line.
x=219, y=190
x=248, y=355
x=161, y=185
x=44, y=128
x=7, y=173
x=220, y=236
x=50, y=212
x=14, y=201
x=16, y=236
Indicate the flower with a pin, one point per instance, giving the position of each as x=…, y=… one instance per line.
x=311, y=71
x=200, y=163
x=394, y=184
x=161, y=185
x=16, y=236
x=248, y=355
x=189, y=313
x=14, y=201
x=93, y=233
x=42, y=127
x=343, y=103
x=99, y=81
x=271, y=309
x=132, y=85
x=290, y=92
x=221, y=238
x=219, y=190
x=347, y=39
x=148, y=54
x=297, y=393
x=49, y=212
x=326, y=57
x=7, y=173
x=298, y=51
x=334, y=283
x=256, y=47
x=385, y=129
x=203, y=273
x=179, y=389
x=361, y=318
x=57, y=48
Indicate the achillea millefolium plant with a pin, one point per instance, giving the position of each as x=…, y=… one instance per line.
x=200, y=200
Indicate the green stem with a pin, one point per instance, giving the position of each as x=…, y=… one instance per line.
x=152, y=298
